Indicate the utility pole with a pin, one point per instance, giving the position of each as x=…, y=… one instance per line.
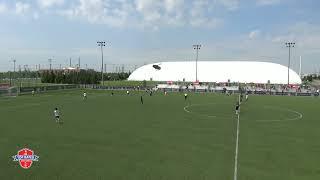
x=70, y=62
x=197, y=48
x=79, y=63
x=289, y=45
x=50, y=61
x=101, y=44
x=14, y=65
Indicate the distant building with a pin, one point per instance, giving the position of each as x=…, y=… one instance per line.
x=71, y=69
x=217, y=71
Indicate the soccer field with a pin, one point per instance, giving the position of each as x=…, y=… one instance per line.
x=166, y=138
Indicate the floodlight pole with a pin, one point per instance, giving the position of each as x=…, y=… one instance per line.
x=197, y=48
x=101, y=44
x=289, y=45
x=300, y=63
x=14, y=67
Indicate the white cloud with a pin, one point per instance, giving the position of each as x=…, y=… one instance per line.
x=230, y=4
x=22, y=8
x=268, y=2
x=93, y=10
x=152, y=14
x=206, y=22
x=3, y=8
x=305, y=35
x=49, y=3
x=199, y=17
x=173, y=5
x=254, y=34
x=35, y=15
x=149, y=9
x=100, y=12
x=199, y=8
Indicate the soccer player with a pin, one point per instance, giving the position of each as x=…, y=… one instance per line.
x=185, y=96
x=141, y=99
x=165, y=93
x=56, y=115
x=237, y=108
x=128, y=92
x=247, y=96
x=241, y=97
x=84, y=95
x=32, y=92
x=111, y=93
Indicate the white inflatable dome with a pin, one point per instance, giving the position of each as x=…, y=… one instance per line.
x=217, y=71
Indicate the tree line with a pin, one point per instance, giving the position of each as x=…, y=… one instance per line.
x=80, y=77
x=19, y=74
x=311, y=77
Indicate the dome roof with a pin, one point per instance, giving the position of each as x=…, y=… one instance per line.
x=217, y=71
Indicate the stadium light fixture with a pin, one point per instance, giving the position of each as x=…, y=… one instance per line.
x=197, y=48
x=289, y=45
x=101, y=44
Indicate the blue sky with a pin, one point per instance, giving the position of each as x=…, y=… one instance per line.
x=145, y=31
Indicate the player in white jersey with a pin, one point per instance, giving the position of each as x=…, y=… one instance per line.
x=247, y=96
x=84, y=95
x=56, y=115
x=128, y=92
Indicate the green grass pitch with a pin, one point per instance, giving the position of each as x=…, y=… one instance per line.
x=166, y=138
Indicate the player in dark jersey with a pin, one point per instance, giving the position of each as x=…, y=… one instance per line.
x=141, y=99
x=237, y=108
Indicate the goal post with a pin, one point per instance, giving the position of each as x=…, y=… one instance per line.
x=12, y=91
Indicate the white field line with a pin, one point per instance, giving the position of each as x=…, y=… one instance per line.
x=186, y=110
x=235, y=175
x=201, y=114
x=298, y=117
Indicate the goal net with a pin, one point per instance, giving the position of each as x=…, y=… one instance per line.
x=6, y=90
